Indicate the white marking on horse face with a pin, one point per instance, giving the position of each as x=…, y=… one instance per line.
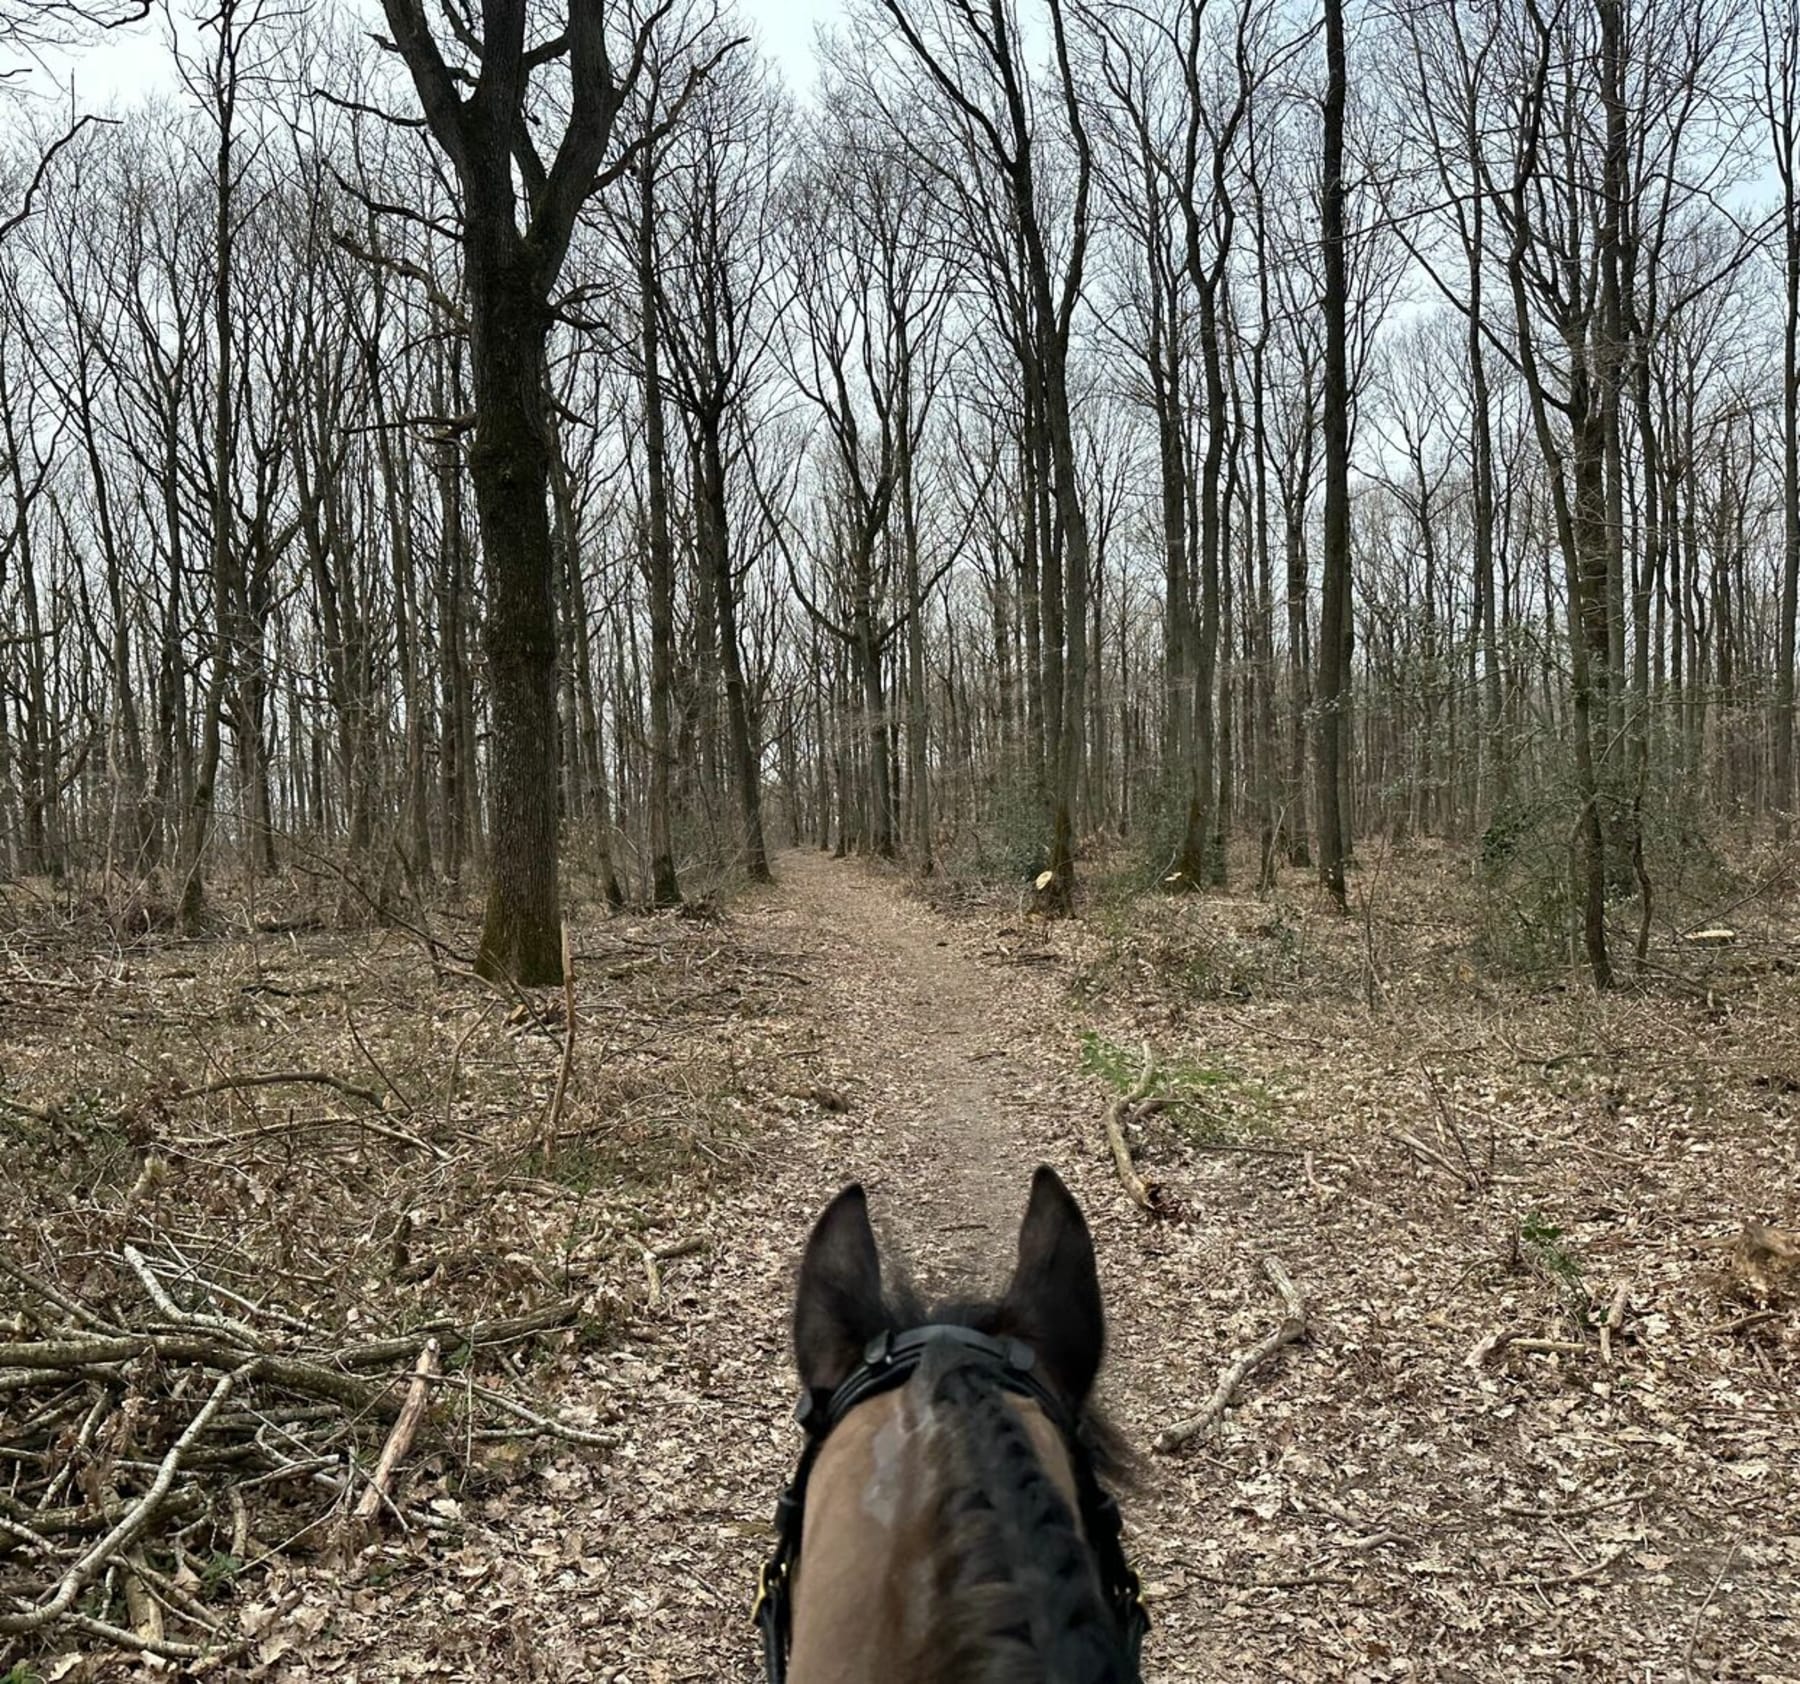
x=888, y=1458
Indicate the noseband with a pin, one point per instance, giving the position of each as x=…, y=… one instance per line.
x=890, y=1360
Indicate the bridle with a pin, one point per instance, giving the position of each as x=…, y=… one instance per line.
x=890, y=1360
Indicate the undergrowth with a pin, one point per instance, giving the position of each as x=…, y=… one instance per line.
x=1206, y=1102
x=1544, y=1250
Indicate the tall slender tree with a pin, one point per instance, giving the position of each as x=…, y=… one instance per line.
x=1334, y=621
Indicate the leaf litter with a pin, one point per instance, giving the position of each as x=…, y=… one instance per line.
x=1471, y=1467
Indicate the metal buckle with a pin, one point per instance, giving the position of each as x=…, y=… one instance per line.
x=1137, y=1616
x=764, y=1588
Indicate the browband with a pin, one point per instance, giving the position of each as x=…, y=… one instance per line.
x=891, y=1359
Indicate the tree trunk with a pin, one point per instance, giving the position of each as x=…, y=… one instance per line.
x=1334, y=610
x=521, y=932
x=665, y=887
x=742, y=749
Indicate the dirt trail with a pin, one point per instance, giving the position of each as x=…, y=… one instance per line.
x=932, y=1133
x=960, y=1076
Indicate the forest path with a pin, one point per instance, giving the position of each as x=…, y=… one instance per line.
x=910, y=1025
x=958, y=1060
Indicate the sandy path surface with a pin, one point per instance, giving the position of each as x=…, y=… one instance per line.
x=941, y=1146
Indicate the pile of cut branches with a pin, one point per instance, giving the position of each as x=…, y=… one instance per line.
x=160, y=1432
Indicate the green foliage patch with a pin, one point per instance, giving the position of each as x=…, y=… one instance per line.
x=1012, y=839
x=1529, y=873
x=1543, y=1249
x=1208, y=1103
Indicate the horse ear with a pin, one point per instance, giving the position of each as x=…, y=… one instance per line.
x=837, y=1308
x=1053, y=1303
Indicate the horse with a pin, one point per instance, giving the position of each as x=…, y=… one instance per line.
x=950, y=1521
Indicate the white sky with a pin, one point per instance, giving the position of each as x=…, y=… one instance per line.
x=786, y=28
x=128, y=63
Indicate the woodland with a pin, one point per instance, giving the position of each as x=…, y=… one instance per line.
x=596, y=640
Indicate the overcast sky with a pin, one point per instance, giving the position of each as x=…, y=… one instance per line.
x=786, y=28
x=132, y=62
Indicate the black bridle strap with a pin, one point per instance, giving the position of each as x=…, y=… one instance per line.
x=889, y=1361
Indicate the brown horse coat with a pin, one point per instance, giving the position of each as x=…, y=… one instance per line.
x=939, y=1537
x=864, y=1595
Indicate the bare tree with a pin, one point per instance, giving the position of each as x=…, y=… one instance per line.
x=975, y=64
x=1780, y=25
x=1334, y=621
x=518, y=211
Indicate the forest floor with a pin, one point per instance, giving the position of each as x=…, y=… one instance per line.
x=1449, y=1168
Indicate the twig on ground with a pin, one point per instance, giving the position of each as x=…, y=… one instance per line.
x=135, y=1519
x=375, y=1064
x=1615, y=1320
x=1291, y=1331
x=1592, y=1571
x=1370, y=1535
x=452, y=1339
x=1250, y=1148
x=1742, y=1324
x=1625, y=1500
x=547, y=1424
x=1687, y=1654
x=171, y=1596
x=1430, y=1155
x=163, y=1648
x=295, y=1125
x=399, y=1441
x=70, y=1306
x=655, y=1255
x=1490, y=1350
x=159, y=1296
x=1298, y=1581
x=1475, y=1175
x=554, y=1119
x=456, y=1054
x=267, y=1079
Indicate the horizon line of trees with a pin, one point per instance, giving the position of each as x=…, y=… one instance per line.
x=540, y=431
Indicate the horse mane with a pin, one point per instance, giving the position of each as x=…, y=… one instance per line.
x=1019, y=1598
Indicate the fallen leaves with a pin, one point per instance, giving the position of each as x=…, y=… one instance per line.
x=1368, y=1507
